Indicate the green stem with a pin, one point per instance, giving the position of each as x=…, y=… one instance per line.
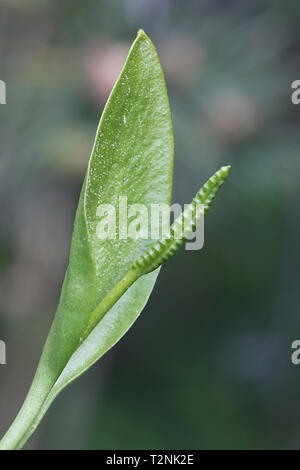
x=28, y=417
x=39, y=397
x=112, y=297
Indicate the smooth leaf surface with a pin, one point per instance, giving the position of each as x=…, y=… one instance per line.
x=109, y=281
x=133, y=157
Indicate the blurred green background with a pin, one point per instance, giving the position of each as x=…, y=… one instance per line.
x=208, y=363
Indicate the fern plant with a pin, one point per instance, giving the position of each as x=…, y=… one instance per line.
x=108, y=281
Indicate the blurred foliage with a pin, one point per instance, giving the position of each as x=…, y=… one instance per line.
x=223, y=377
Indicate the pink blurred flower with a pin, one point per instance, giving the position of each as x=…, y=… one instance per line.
x=103, y=65
x=182, y=59
x=232, y=115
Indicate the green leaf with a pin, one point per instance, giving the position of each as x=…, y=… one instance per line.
x=109, y=281
x=132, y=156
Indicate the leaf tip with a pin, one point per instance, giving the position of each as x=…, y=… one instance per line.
x=142, y=35
x=225, y=169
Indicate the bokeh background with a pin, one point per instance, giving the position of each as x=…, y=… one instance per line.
x=208, y=363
